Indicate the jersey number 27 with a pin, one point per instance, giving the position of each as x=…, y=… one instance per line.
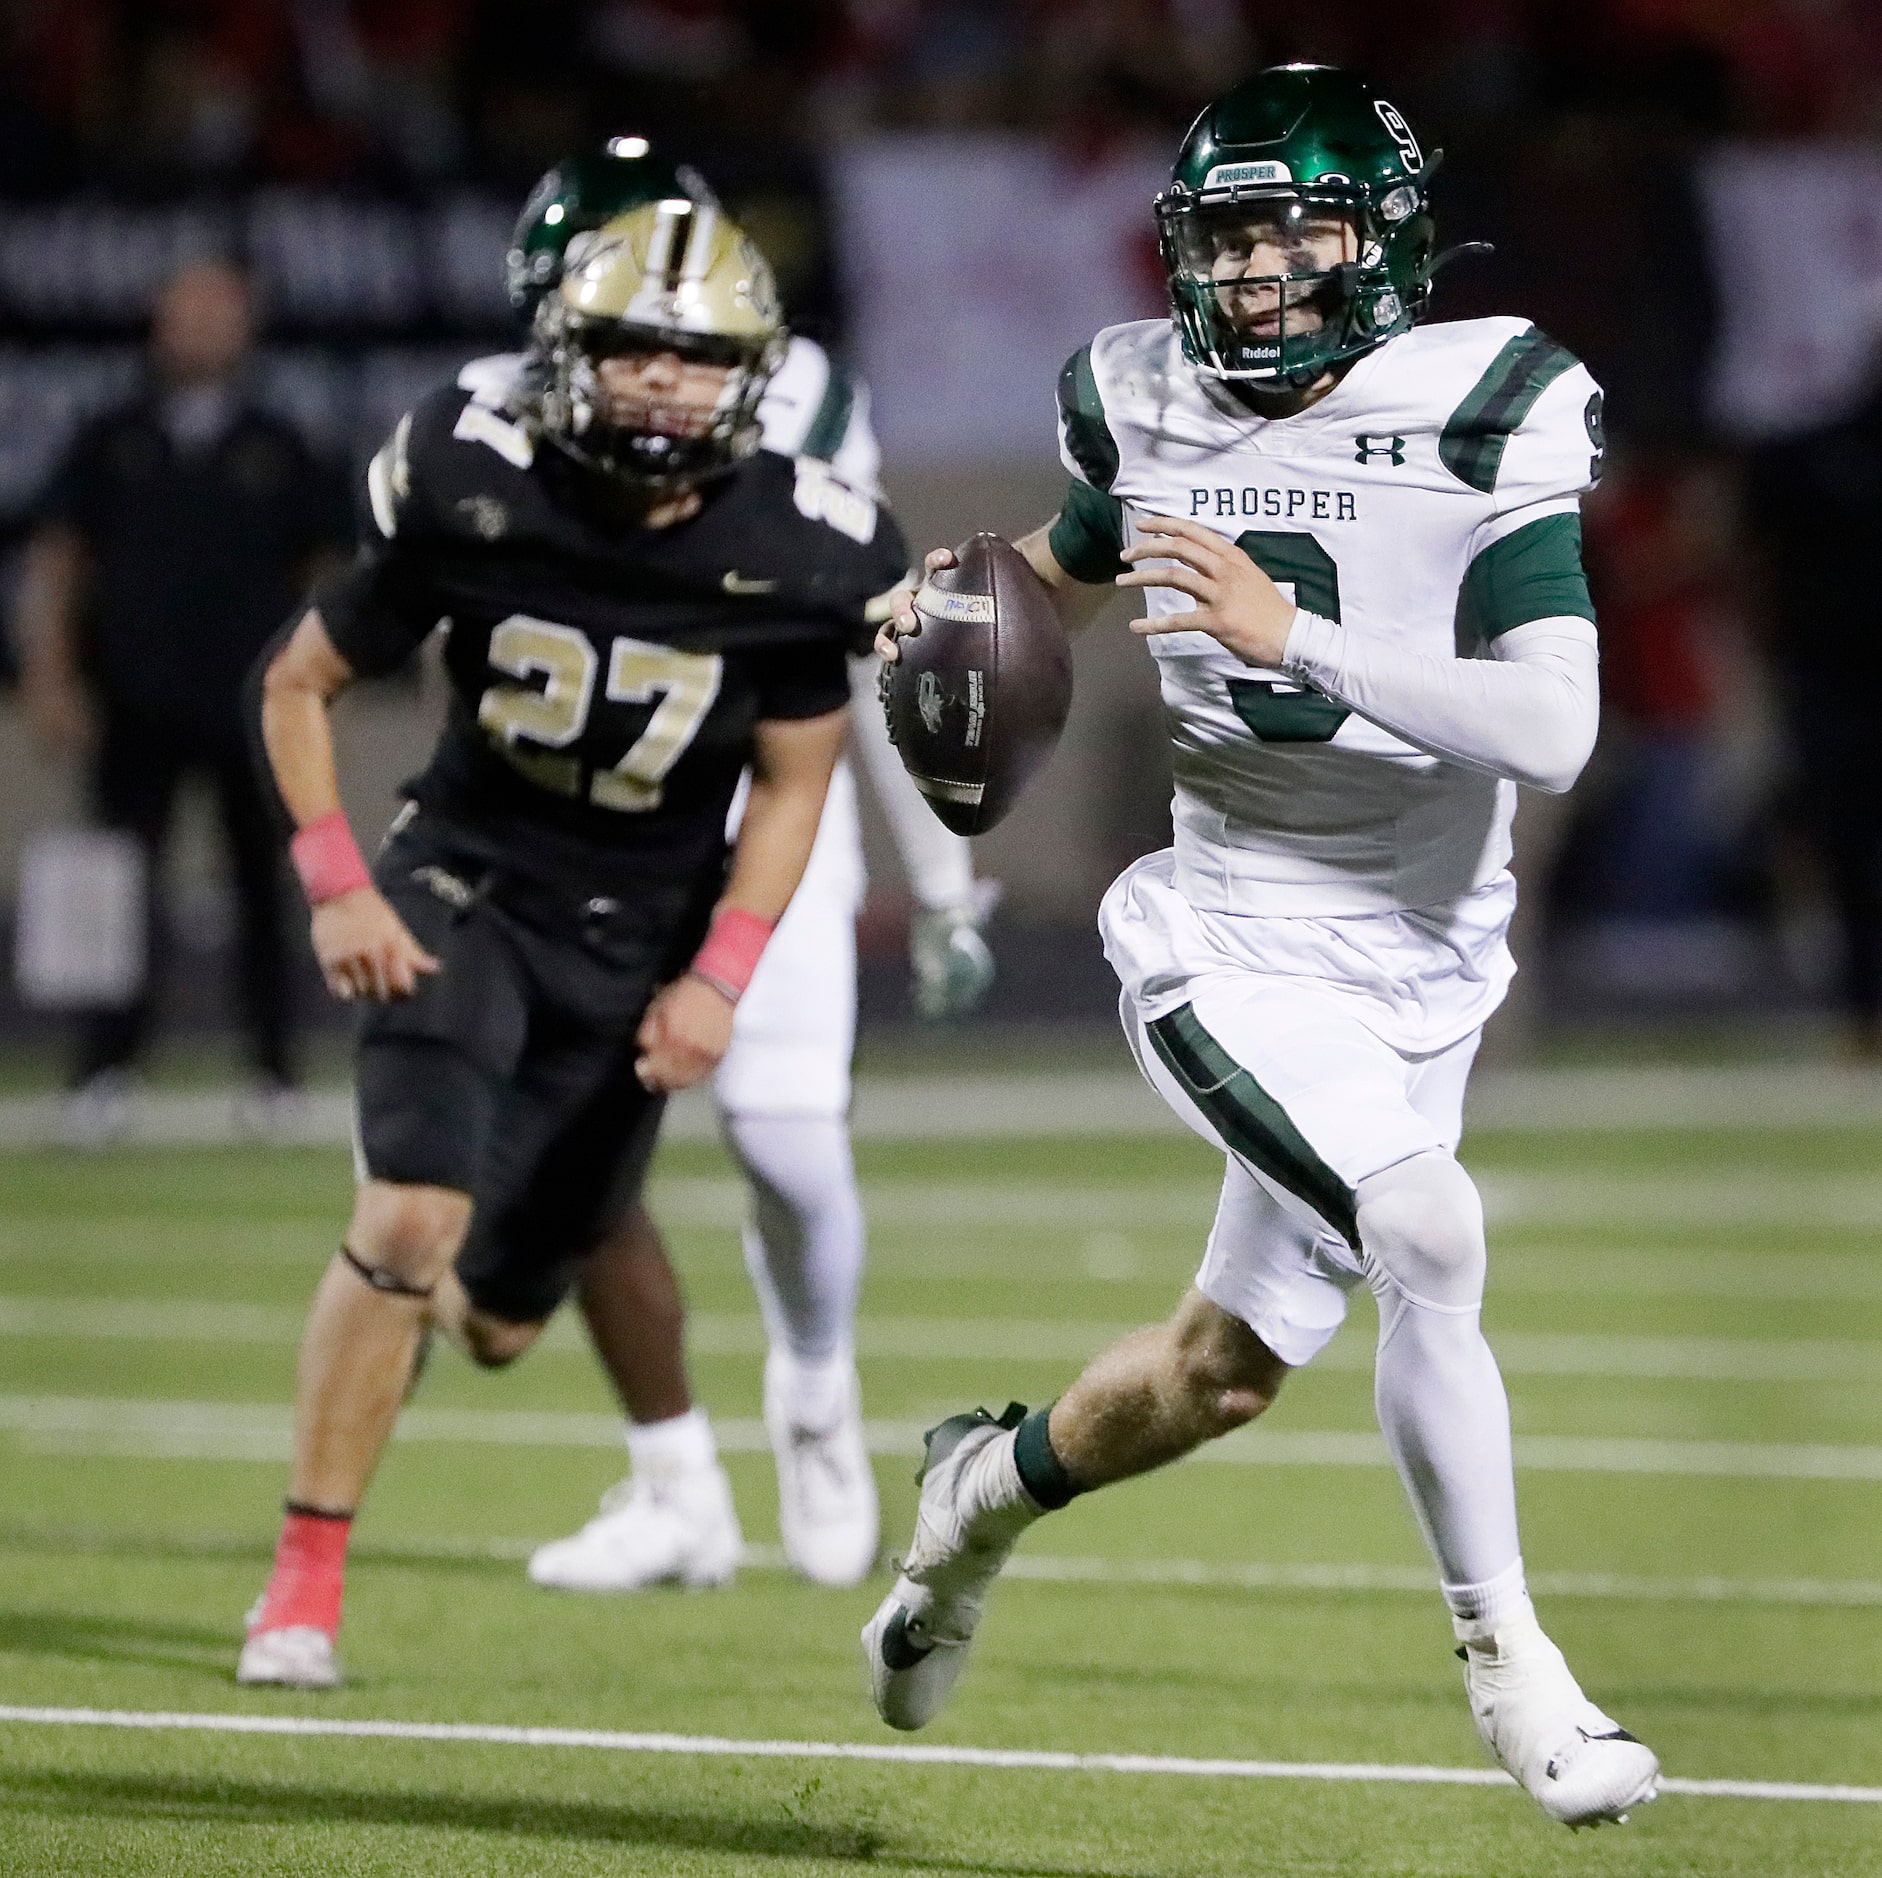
x=554, y=716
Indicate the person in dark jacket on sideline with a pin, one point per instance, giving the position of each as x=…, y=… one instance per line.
x=172, y=542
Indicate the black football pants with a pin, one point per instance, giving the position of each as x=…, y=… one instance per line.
x=139, y=768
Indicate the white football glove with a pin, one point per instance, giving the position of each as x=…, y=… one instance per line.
x=952, y=964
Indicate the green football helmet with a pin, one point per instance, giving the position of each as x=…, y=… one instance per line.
x=576, y=198
x=1296, y=167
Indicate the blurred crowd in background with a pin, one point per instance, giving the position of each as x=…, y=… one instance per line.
x=1688, y=193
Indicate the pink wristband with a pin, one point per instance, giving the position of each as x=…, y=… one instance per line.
x=328, y=859
x=734, y=945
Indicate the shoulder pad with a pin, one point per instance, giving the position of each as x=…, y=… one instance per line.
x=788, y=411
x=389, y=478
x=449, y=443
x=491, y=379
x=1108, y=390
x=1477, y=434
x=823, y=496
x=478, y=423
x=1085, y=441
x=814, y=407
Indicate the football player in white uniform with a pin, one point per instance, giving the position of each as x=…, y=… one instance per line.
x=783, y=1088
x=1358, y=543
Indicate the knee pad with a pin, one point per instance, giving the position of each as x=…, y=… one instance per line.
x=1421, y=1231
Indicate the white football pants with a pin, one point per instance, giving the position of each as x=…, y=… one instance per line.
x=783, y=1092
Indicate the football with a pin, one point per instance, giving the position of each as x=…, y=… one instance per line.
x=977, y=700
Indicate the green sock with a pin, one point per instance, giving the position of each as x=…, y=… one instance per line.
x=1041, y=1472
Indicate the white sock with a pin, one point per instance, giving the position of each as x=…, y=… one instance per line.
x=1000, y=1508
x=804, y=1243
x=1437, y=1389
x=1500, y=1603
x=815, y=1391
x=669, y=1452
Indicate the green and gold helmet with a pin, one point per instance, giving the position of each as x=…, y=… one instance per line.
x=1289, y=157
x=671, y=277
x=576, y=198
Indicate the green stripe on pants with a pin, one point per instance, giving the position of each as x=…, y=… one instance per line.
x=1254, y=1125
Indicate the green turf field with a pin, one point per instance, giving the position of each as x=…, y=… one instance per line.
x=1692, y=1326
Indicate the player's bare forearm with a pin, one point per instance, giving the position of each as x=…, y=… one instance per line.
x=300, y=681
x=1077, y=602
x=364, y=949
x=792, y=762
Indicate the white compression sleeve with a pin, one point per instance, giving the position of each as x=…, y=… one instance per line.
x=1530, y=714
x=938, y=863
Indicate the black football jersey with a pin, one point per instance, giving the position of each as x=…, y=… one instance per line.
x=605, y=677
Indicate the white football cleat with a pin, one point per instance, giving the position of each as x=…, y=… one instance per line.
x=1579, y=1766
x=917, y=1641
x=827, y=1513
x=297, y=1656
x=676, y=1531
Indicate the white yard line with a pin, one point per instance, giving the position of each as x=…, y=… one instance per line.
x=1210, y=1575
x=1114, y=1100
x=1023, y=1760
x=1851, y=1593
x=1619, y=1265
x=253, y=1431
x=1602, y=1195
x=1048, y=1568
x=998, y=1340
x=1646, y=1270
x=1052, y=1208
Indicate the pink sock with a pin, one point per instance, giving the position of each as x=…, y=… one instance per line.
x=309, y=1573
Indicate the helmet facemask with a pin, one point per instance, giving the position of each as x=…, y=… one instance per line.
x=1279, y=284
x=656, y=349
x=656, y=439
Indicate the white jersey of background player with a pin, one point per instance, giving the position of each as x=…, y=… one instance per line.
x=783, y=1093
x=1360, y=553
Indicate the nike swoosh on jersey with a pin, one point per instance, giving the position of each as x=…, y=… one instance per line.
x=737, y=583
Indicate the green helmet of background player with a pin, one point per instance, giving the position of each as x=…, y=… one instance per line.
x=1262, y=177
x=577, y=197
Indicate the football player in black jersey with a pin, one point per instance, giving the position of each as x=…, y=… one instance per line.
x=637, y=604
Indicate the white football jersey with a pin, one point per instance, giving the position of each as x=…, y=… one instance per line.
x=1429, y=501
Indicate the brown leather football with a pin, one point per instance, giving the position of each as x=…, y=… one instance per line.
x=978, y=698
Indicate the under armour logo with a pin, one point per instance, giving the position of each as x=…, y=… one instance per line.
x=1368, y=444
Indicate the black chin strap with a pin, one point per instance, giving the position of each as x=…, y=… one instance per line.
x=382, y=1280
